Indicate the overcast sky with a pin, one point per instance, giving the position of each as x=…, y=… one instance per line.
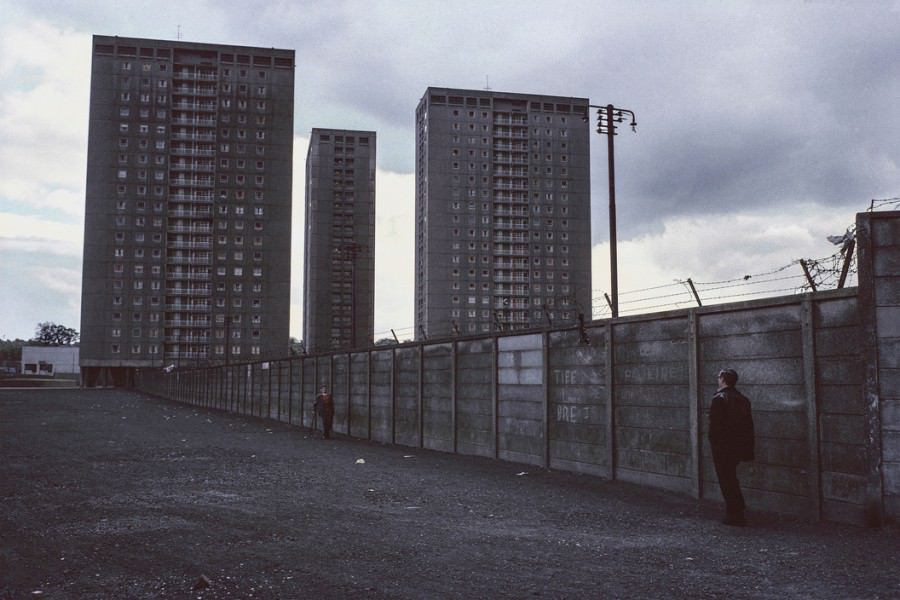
x=763, y=127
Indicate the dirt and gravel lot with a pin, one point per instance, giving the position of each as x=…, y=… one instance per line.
x=111, y=494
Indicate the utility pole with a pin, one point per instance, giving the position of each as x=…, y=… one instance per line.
x=607, y=117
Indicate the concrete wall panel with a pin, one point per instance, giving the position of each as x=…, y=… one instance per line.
x=887, y=290
x=358, y=395
x=406, y=401
x=382, y=400
x=340, y=391
x=739, y=323
x=887, y=320
x=437, y=398
x=650, y=330
x=837, y=312
x=577, y=393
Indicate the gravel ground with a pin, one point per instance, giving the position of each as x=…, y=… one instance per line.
x=111, y=494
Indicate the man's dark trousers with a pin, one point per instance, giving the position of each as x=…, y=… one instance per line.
x=726, y=471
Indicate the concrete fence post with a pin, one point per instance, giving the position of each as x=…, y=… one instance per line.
x=368, y=394
x=454, y=423
x=495, y=394
x=349, y=391
x=421, y=395
x=874, y=509
x=610, y=401
x=545, y=395
x=696, y=407
x=808, y=334
x=393, y=402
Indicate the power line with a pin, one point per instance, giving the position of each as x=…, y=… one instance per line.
x=825, y=272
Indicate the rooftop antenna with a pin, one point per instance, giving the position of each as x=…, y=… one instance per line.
x=179, y=32
x=487, y=84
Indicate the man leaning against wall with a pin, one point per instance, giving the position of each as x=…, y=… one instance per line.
x=732, y=439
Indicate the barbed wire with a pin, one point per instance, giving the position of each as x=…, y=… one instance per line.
x=877, y=203
x=747, y=277
x=712, y=286
x=823, y=273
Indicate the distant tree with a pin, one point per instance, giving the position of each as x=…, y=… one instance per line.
x=11, y=350
x=55, y=335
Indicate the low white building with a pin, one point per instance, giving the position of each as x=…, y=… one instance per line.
x=50, y=360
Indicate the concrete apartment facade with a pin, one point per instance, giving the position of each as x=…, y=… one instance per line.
x=188, y=206
x=339, y=257
x=503, y=239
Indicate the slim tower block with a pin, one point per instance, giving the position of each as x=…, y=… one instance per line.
x=188, y=206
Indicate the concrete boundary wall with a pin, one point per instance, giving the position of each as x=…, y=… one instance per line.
x=878, y=242
x=627, y=398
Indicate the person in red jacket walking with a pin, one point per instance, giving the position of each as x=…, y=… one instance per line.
x=732, y=439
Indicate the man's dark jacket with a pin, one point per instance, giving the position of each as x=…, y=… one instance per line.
x=731, y=431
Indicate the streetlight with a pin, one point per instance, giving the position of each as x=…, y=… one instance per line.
x=607, y=117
